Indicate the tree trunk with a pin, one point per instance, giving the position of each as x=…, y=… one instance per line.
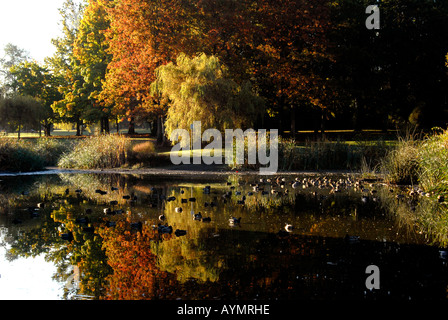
x=101, y=125
x=322, y=124
x=106, y=124
x=154, y=128
x=117, y=124
x=47, y=128
x=78, y=129
x=131, y=129
x=160, y=131
x=293, y=122
x=356, y=117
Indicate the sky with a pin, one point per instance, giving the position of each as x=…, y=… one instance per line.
x=30, y=25
x=28, y=279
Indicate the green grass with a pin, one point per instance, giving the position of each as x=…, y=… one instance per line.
x=420, y=161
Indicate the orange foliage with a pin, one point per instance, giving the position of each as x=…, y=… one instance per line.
x=135, y=274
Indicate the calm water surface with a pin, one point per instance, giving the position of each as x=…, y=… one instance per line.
x=97, y=236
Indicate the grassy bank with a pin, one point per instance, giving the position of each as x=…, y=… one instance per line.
x=112, y=151
x=30, y=155
x=421, y=161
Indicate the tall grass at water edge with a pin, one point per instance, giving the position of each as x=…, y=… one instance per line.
x=30, y=155
x=422, y=161
x=97, y=152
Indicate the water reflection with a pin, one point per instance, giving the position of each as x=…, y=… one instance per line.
x=111, y=232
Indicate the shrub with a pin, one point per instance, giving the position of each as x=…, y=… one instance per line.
x=51, y=149
x=18, y=155
x=142, y=152
x=97, y=152
x=433, y=156
x=401, y=165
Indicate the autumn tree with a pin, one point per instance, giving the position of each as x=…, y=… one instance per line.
x=200, y=89
x=143, y=36
x=135, y=274
x=292, y=56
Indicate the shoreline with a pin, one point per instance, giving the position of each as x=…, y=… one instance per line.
x=181, y=170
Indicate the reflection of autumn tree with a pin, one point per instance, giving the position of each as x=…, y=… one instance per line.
x=188, y=259
x=85, y=252
x=135, y=275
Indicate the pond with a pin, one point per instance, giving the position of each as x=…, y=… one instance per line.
x=129, y=237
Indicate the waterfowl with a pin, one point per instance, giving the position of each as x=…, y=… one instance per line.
x=180, y=233
x=170, y=199
x=283, y=233
x=41, y=205
x=162, y=217
x=289, y=227
x=441, y=198
x=110, y=224
x=113, y=189
x=88, y=229
x=208, y=219
x=399, y=196
x=136, y=225
x=127, y=197
x=78, y=191
x=99, y=191
x=296, y=185
x=67, y=236
x=178, y=209
x=234, y=220
x=183, y=200
x=113, y=203
x=197, y=216
x=351, y=239
x=82, y=220
x=164, y=228
x=192, y=199
x=35, y=214
x=107, y=211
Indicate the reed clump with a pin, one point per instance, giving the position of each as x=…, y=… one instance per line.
x=97, y=152
x=420, y=161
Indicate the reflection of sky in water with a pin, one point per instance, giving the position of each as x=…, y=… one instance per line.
x=28, y=279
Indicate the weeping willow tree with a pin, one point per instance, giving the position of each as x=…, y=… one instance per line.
x=200, y=89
